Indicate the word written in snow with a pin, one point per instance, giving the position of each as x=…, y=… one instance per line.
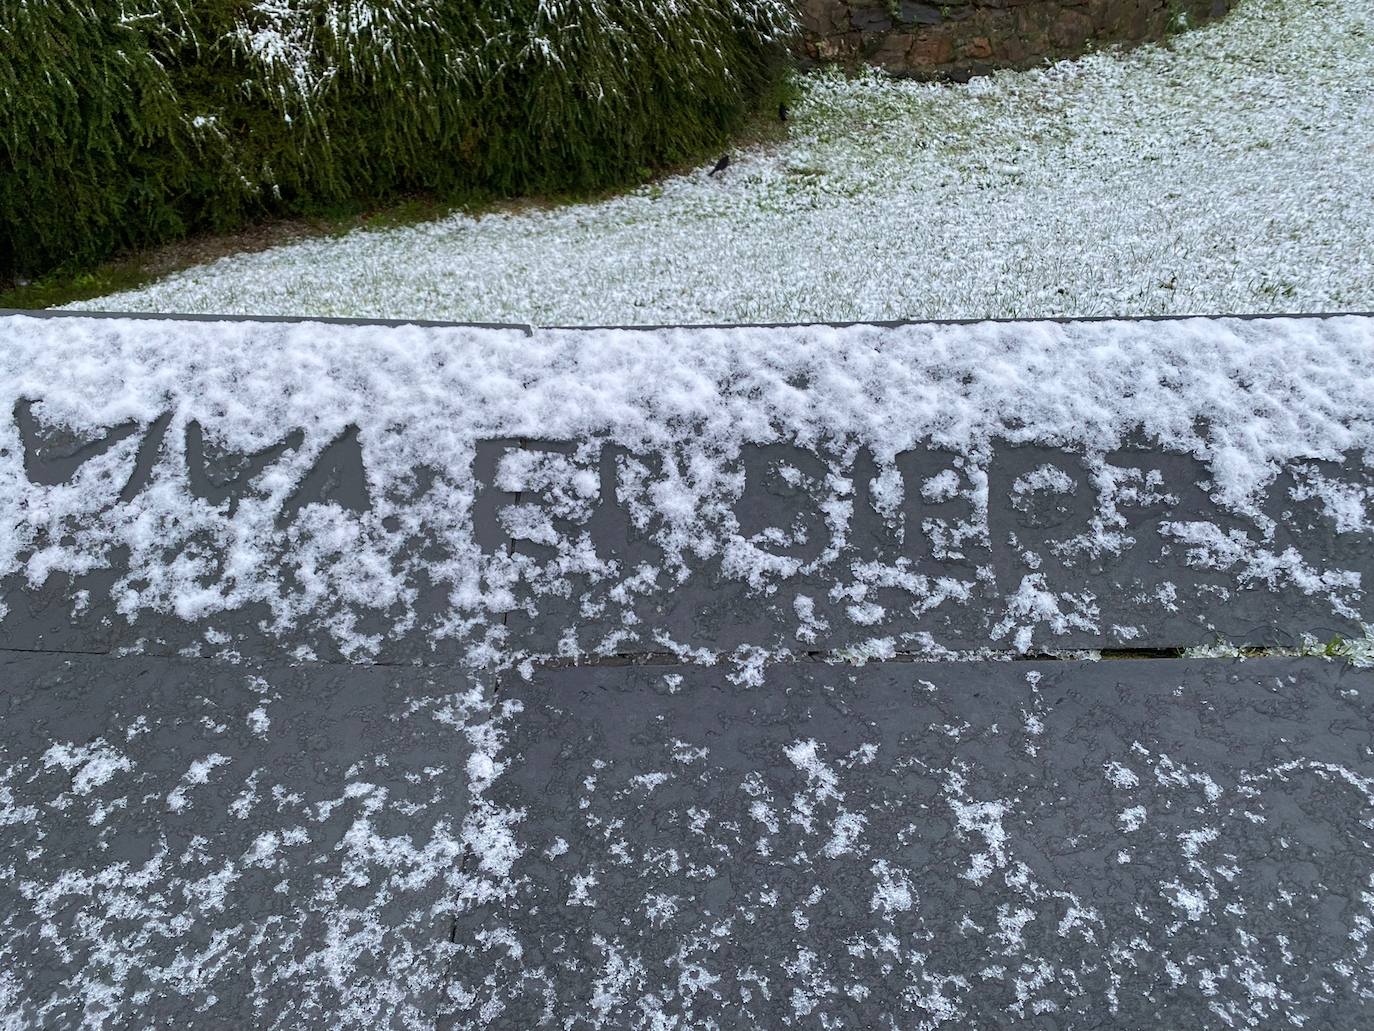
x=1033, y=502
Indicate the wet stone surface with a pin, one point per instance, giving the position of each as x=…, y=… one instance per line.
x=537, y=547
x=1037, y=549
x=193, y=844
x=1138, y=533
x=298, y=731
x=1058, y=845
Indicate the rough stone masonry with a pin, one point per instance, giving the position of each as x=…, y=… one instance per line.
x=962, y=38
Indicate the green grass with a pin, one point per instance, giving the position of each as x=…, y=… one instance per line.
x=1354, y=652
x=135, y=268
x=59, y=289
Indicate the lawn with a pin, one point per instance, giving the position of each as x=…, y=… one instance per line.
x=1230, y=171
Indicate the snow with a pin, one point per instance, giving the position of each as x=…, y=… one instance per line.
x=171, y=875
x=893, y=892
x=1227, y=172
x=1347, y=505
x=846, y=831
x=1033, y=604
x=1045, y=478
x=686, y=402
x=1121, y=776
x=982, y=818
x=1191, y=902
x=197, y=773
x=804, y=755
x=1132, y=819
x=488, y=832
x=943, y=486
x=91, y=765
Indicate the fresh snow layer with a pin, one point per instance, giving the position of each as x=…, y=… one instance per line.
x=869, y=849
x=1244, y=397
x=1228, y=172
x=183, y=870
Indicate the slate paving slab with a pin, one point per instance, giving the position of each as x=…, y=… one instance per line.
x=1182, y=843
x=810, y=549
x=196, y=844
x=83, y=608
x=211, y=818
x=1162, y=564
x=1035, y=549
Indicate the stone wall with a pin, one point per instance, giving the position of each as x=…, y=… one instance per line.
x=957, y=39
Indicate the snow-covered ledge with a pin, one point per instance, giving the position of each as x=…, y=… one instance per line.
x=862, y=489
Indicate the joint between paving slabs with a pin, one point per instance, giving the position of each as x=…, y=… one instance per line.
x=466, y=857
x=834, y=657
x=838, y=657
x=10, y=650
x=250, y=663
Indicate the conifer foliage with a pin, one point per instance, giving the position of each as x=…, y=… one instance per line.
x=129, y=122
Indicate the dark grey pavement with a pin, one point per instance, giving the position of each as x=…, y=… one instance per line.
x=1031, y=550
x=188, y=843
x=1062, y=844
x=806, y=763
x=1123, y=844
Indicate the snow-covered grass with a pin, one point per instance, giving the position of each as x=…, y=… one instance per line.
x=1229, y=172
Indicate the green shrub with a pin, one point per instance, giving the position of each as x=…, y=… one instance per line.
x=129, y=122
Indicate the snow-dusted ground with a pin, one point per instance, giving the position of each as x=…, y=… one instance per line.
x=1228, y=173
x=665, y=428
x=206, y=813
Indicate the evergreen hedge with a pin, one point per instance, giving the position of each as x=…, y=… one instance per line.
x=129, y=122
